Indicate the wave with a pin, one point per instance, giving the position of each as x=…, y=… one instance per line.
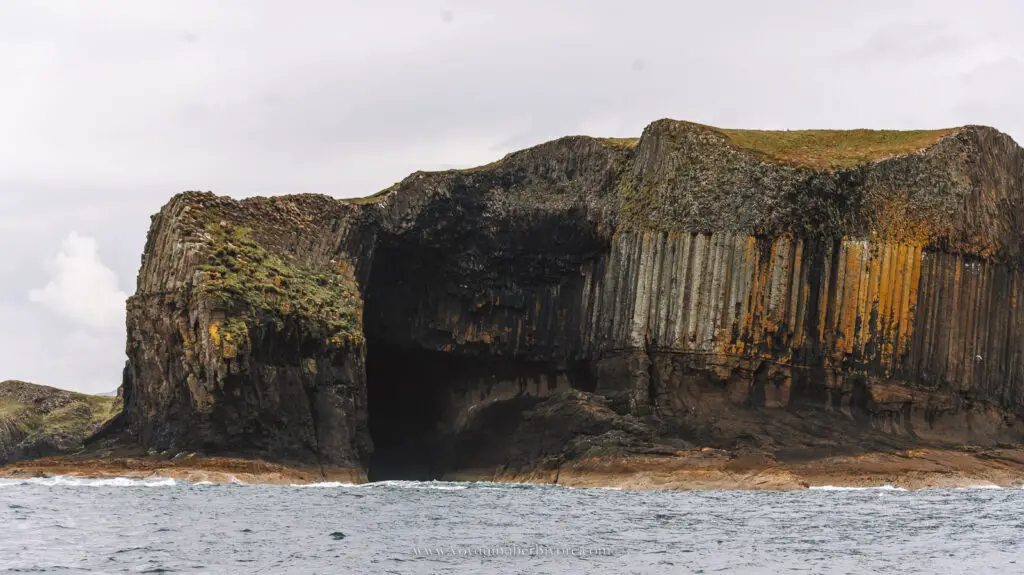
x=70, y=481
x=394, y=483
x=891, y=488
x=324, y=484
x=842, y=488
x=404, y=484
x=442, y=485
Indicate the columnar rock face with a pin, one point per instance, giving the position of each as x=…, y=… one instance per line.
x=778, y=292
x=244, y=335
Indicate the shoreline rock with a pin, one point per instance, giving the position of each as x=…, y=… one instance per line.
x=693, y=470
x=196, y=469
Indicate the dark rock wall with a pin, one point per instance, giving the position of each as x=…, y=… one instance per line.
x=217, y=372
x=688, y=289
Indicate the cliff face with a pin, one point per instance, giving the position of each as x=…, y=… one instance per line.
x=36, y=420
x=245, y=332
x=781, y=293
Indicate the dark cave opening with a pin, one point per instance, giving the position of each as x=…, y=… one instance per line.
x=424, y=387
x=405, y=407
x=420, y=401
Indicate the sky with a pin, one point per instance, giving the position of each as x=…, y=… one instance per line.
x=109, y=107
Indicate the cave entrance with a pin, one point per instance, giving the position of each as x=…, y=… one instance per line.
x=423, y=392
x=405, y=392
x=431, y=412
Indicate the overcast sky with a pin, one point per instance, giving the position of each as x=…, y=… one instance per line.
x=110, y=107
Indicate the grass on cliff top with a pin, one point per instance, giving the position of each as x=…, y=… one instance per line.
x=833, y=149
x=10, y=407
x=82, y=415
x=374, y=198
x=246, y=278
x=627, y=143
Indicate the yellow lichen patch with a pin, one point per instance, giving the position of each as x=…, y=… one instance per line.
x=853, y=268
x=229, y=337
x=895, y=220
x=228, y=349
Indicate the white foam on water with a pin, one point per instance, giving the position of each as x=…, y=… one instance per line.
x=891, y=488
x=403, y=484
x=841, y=488
x=556, y=485
x=324, y=484
x=70, y=481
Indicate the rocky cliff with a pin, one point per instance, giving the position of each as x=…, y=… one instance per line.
x=775, y=294
x=36, y=420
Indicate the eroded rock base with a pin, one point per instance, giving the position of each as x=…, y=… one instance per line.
x=716, y=469
x=211, y=469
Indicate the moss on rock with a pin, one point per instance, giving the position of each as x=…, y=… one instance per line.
x=253, y=285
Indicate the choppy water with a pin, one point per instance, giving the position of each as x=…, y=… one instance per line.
x=65, y=525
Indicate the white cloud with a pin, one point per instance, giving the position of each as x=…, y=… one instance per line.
x=82, y=288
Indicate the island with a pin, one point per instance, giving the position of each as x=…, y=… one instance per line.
x=694, y=308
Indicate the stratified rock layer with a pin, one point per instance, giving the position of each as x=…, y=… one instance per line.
x=593, y=298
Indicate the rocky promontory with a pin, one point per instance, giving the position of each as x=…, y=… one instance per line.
x=590, y=311
x=37, y=420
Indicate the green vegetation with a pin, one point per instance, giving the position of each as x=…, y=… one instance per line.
x=627, y=143
x=248, y=280
x=373, y=199
x=833, y=149
x=80, y=417
x=10, y=407
x=70, y=414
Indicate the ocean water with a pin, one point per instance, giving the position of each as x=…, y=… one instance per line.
x=66, y=525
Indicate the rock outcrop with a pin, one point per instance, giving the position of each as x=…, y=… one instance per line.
x=37, y=420
x=782, y=295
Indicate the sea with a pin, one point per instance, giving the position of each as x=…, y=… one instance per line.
x=71, y=525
